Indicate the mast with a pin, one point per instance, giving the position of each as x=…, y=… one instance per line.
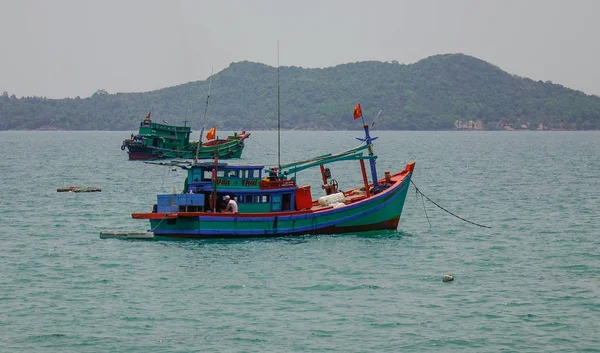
x=369, y=141
x=214, y=180
x=278, y=116
x=204, y=120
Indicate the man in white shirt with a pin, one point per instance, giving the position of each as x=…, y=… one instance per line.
x=231, y=205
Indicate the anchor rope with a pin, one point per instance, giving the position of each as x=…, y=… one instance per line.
x=153, y=229
x=443, y=209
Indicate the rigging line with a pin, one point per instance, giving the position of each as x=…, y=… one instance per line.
x=205, y=109
x=326, y=157
x=263, y=146
x=433, y=202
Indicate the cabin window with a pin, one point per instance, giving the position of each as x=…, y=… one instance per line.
x=196, y=175
x=232, y=173
x=244, y=173
x=256, y=173
x=286, y=202
x=207, y=175
x=255, y=198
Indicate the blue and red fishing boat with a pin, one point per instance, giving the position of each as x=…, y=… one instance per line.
x=271, y=203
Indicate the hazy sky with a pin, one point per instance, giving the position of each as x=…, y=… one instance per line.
x=68, y=48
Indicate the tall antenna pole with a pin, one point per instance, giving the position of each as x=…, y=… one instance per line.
x=278, y=115
x=204, y=120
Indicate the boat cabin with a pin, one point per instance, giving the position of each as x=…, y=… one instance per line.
x=163, y=135
x=254, y=191
x=260, y=190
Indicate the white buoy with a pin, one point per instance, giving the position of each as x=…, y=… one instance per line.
x=126, y=235
x=447, y=278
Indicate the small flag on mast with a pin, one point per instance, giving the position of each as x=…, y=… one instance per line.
x=357, y=112
x=211, y=134
x=147, y=116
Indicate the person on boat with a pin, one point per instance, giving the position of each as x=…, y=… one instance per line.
x=273, y=175
x=231, y=205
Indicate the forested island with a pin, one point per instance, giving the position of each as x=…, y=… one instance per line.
x=442, y=92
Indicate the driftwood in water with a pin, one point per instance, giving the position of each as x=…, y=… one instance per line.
x=79, y=189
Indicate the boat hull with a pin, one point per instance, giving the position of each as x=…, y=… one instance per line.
x=225, y=149
x=378, y=212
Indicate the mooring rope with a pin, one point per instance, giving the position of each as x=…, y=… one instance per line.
x=153, y=229
x=443, y=209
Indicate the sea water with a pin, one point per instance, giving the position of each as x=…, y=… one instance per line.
x=531, y=283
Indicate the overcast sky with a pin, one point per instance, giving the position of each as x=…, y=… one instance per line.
x=68, y=48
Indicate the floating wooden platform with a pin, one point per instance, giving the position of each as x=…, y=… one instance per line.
x=126, y=235
x=78, y=189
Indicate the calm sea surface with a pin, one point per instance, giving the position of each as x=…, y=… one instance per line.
x=531, y=283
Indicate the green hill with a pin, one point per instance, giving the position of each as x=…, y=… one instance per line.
x=442, y=92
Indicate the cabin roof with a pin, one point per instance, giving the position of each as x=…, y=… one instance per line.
x=226, y=166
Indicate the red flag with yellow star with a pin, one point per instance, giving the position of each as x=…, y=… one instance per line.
x=357, y=112
x=211, y=134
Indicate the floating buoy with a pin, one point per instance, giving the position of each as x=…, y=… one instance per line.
x=447, y=278
x=79, y=189
x=126, y=235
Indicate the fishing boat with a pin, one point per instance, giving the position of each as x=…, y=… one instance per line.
x=160, y=141
x=271, y=203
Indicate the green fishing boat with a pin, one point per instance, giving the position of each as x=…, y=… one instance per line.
x=163, y=141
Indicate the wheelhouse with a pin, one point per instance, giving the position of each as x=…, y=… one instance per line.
x=163, y=135
x=254, y=191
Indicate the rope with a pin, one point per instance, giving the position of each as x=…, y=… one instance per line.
x=424, y=209
x=443, y=209
x=261, y=145
x=153, y=229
